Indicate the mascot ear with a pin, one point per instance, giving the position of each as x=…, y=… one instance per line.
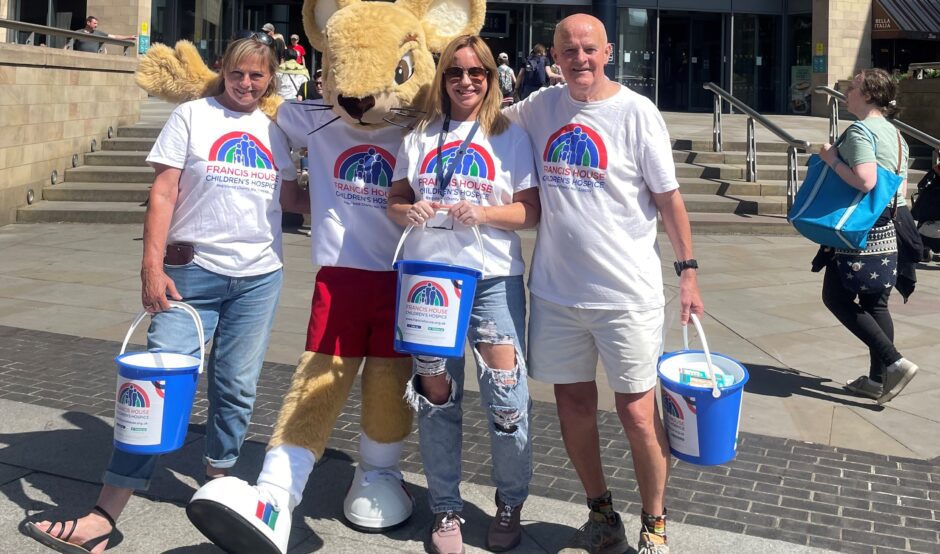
x=315, y=14
x=445, y=20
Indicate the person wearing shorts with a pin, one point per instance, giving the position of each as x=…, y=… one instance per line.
x=605, y=172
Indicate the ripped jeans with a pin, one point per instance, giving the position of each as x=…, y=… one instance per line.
x=498, y=317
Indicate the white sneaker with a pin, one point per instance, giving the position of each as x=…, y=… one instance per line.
x=238, y=517
x=377, y=500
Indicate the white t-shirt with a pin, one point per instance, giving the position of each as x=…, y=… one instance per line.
x=598, y=164
x=350, y=176
x=229, y=192
x=490, y=173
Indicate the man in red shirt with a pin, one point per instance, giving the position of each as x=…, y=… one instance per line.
x=301, y=51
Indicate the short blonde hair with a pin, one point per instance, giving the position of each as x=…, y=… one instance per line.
x=490, y=116
x=239, y=50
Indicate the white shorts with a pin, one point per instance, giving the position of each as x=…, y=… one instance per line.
x=564, y=344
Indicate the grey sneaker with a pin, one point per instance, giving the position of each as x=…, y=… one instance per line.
x=898, y=375
x=651, y=543
x=863, y=386
x=597, y=536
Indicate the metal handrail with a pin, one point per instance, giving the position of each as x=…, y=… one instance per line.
x=34, y=29
x=752, y=115
x=835, y=97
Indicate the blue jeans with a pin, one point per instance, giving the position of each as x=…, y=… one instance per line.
x=237, y=313
x=498, y=317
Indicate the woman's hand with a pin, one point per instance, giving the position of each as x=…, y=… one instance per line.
x=155, y=286
x=420, y=212
x=468, y=214
x=829, y=154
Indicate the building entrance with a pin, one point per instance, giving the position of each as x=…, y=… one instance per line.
x=690, y=47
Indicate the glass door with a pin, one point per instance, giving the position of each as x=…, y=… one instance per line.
x=756, y=78
x=690, y=47
x=706, y=63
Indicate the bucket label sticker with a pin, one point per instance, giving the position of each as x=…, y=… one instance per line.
x=138, y=412
x=681, y=423
x=429, y=310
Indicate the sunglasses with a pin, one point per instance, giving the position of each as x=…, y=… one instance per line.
x=476, y=74
x=263, y=38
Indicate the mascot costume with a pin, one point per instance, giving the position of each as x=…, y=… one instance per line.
x=377, y=68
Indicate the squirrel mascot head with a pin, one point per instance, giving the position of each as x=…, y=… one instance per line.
x=378, y=61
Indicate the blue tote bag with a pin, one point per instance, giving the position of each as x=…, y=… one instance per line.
x=830, y=212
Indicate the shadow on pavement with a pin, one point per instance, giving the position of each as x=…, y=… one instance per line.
x=784, y=382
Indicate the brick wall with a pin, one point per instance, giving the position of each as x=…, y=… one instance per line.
x=52, y=103
x=844, y=28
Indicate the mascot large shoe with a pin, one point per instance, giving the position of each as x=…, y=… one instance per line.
x=220, y=508
x=377, y=501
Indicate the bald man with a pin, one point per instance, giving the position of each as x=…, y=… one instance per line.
x=605, y=172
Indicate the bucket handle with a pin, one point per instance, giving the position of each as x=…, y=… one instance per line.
x=716, y=392
x=476, y=233
x=186, y=308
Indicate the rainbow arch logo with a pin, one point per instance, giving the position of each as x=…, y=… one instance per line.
x=576, y=144
x=132, y=395
x=428, y=293
x=476, y=162
x=243, y=149
x=366, y=164
x=671, y=407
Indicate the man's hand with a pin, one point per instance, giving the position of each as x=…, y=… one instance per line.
x=690, y=297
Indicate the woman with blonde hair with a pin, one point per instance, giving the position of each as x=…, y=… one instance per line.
x=858, y=283
x=212, y=238
x=467, y=165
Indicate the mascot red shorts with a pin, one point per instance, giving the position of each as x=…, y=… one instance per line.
x=352, y=314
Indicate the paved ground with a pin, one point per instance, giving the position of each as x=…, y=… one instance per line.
x=816, y=468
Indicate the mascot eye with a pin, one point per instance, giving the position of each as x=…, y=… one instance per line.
x=405, y=69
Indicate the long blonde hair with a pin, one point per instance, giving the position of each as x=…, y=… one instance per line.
x=243, y=48
x=491, y=119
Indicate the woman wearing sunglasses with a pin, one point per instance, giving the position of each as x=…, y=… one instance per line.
x=466, y=165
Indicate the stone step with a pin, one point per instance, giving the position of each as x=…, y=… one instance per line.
x=737, y=204
x=148, y=130
x=97, y=192
x=694, y=185
x=739, y=224
x=81, y=212
x=93, y=174
x=732, y=145
x=763, y=158
x=128, y=144
x=117, y=158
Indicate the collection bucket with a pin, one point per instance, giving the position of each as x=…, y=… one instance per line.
x=155, y=392
x=701, y=421
x=433, y=305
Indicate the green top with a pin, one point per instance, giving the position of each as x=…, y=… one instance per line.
x=856, y=148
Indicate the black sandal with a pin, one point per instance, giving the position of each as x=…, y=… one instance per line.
x=60, y=543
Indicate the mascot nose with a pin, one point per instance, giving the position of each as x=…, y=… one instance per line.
x=356, y=107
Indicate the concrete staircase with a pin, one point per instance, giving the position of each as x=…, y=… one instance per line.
x=114, y=182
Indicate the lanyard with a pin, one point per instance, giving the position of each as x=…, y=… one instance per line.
x=444, y=180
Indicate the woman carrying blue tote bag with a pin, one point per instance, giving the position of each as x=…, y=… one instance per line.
x=858, y=281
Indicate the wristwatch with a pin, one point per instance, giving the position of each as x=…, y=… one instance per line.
x=691, y=263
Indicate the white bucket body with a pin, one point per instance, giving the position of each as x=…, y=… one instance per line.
x=429, y=310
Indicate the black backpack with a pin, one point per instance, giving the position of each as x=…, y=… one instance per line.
x=535, y=76
x=926, y=205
